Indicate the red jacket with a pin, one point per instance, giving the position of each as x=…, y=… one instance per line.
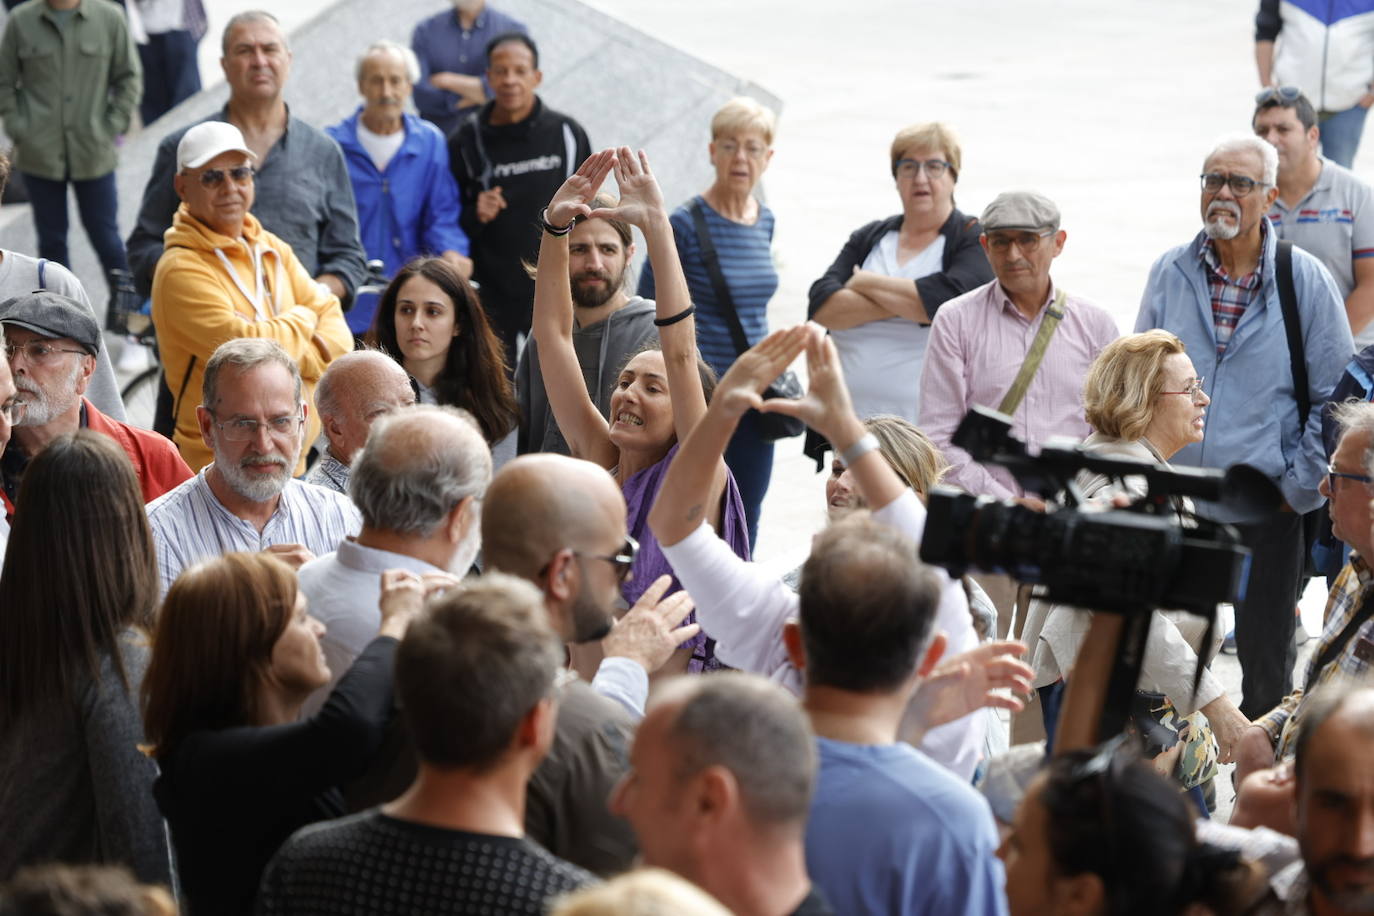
x=157, y=463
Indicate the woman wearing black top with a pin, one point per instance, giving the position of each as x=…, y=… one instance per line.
x=235, y=655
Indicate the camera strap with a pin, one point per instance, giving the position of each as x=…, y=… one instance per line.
x=1288, y=301
x=1054, y=313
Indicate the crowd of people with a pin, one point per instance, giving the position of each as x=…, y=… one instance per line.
x=441, y=599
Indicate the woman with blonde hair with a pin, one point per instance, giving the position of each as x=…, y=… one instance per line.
x=881, y=293
x=724, y=239
x=1144, y=401
x=642, y=892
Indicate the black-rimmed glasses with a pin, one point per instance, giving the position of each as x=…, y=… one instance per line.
x=622, y=561
x=910, y=168
x=1240, y=185
x=1332, y=475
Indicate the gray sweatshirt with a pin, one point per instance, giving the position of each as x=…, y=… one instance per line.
x=602, y=349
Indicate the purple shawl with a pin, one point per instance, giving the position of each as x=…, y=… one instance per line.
x=640, y=492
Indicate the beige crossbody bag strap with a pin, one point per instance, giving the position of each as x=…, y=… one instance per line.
x=1054, y=313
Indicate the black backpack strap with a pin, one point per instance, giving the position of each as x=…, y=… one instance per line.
x=712, y=262
x=1288, y=300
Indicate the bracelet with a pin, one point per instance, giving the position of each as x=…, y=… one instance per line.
x=867, y=443
x=550, y=228
x=674, y=319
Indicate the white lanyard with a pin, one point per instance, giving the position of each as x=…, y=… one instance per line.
x=260, y=292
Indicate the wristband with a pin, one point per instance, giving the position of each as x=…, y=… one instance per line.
x=550, y=228
x=674, y=319
x=867, y=443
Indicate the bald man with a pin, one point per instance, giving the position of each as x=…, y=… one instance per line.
x=418, y=483
x=354, y=391
x=560, y=523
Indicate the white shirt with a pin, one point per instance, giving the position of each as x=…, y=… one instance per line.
x=882, y=359
x=381, y=148
x=744, y=609
x=189, y=524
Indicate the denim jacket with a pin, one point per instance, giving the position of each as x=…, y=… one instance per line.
x=1253, y=417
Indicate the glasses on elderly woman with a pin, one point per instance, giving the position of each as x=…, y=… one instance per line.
x=1194, y=389
x=728, y=148
x=910, y=168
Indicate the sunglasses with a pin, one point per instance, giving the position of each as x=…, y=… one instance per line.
x=239, y=174
x=622, y=561
x=1286, y=95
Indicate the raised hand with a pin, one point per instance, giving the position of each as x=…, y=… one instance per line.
x=743, y=384
x=574, y=198
x=826, y=406
x=967, y=682
x=641, y=200
x=649, y=631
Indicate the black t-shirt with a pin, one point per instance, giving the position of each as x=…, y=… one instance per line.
x=371, y=863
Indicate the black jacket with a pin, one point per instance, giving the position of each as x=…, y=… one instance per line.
x=528, y=161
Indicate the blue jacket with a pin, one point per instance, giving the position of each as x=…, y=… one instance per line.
x=410, y=209
x=1253, y=417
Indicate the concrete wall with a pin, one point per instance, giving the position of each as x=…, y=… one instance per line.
x=622, y=85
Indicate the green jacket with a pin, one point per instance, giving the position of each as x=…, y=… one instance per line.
x=65, y=94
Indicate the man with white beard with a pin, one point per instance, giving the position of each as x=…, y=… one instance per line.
x=53, y=346
x=251, y=416
x=1220, y=293
x=419, y=483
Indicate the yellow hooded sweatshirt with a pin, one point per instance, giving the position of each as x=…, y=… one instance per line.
x=210, y=288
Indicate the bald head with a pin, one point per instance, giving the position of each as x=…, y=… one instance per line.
x=354, y=391
x=417, y=466
x=540, y=504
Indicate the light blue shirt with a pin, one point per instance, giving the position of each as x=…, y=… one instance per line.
x=891, y=831
x=190, y=524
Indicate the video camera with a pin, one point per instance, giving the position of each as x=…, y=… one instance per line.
x=1125, y=561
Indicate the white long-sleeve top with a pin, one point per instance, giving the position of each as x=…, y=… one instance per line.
x=743, y=609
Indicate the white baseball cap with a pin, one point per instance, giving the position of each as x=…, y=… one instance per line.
x=207, y=140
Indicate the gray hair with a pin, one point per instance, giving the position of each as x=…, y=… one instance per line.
x=329, y=390
x=1249, y=143
x=1356, y=416
x=385, y=46
x=247, y=17
x=757, y=731
x=244, y=354
x=416, y=466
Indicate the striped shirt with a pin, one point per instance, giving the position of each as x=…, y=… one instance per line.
x=1344, y=602
x=1231, y=296
x=977, y=344
x=746, y=260
x=190, y=524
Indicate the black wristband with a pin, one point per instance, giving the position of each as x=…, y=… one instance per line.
x=550, y=228
x=674, y=319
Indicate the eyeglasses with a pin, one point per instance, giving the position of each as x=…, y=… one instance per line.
x=1026, y=241
x=239, y=174
x=910, y=168
x=242, y=429
x=728, y=149
x=1194, y=389
x=1240, y=185
x=622, y=561
x=1286, y=95
x=1332, y=475
x=37, y=352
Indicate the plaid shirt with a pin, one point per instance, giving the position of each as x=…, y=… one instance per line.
x=1347, y=595
x=1231, y=296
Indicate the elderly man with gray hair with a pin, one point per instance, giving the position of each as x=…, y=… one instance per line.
x=356, y=390
x=407, y=198
x=419, y=483
x=1267, y=367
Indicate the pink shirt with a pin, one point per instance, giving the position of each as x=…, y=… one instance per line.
x=977, y=344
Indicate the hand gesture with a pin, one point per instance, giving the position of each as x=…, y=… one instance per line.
x=574, y=198
x=404, y=594
x=826, y=406
x=743, y=384
x=649, y=631
x=968, y=682
x=293, y=555
x=640, y=198
x=490, y=204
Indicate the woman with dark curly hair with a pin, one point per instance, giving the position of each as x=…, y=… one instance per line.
x=431, y=322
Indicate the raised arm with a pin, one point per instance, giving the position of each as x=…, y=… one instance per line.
x=582, y=424
x=641, y=204
x=684, y=499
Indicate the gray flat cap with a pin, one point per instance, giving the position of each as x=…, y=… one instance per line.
x=1022, y=210
x=52, y=315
